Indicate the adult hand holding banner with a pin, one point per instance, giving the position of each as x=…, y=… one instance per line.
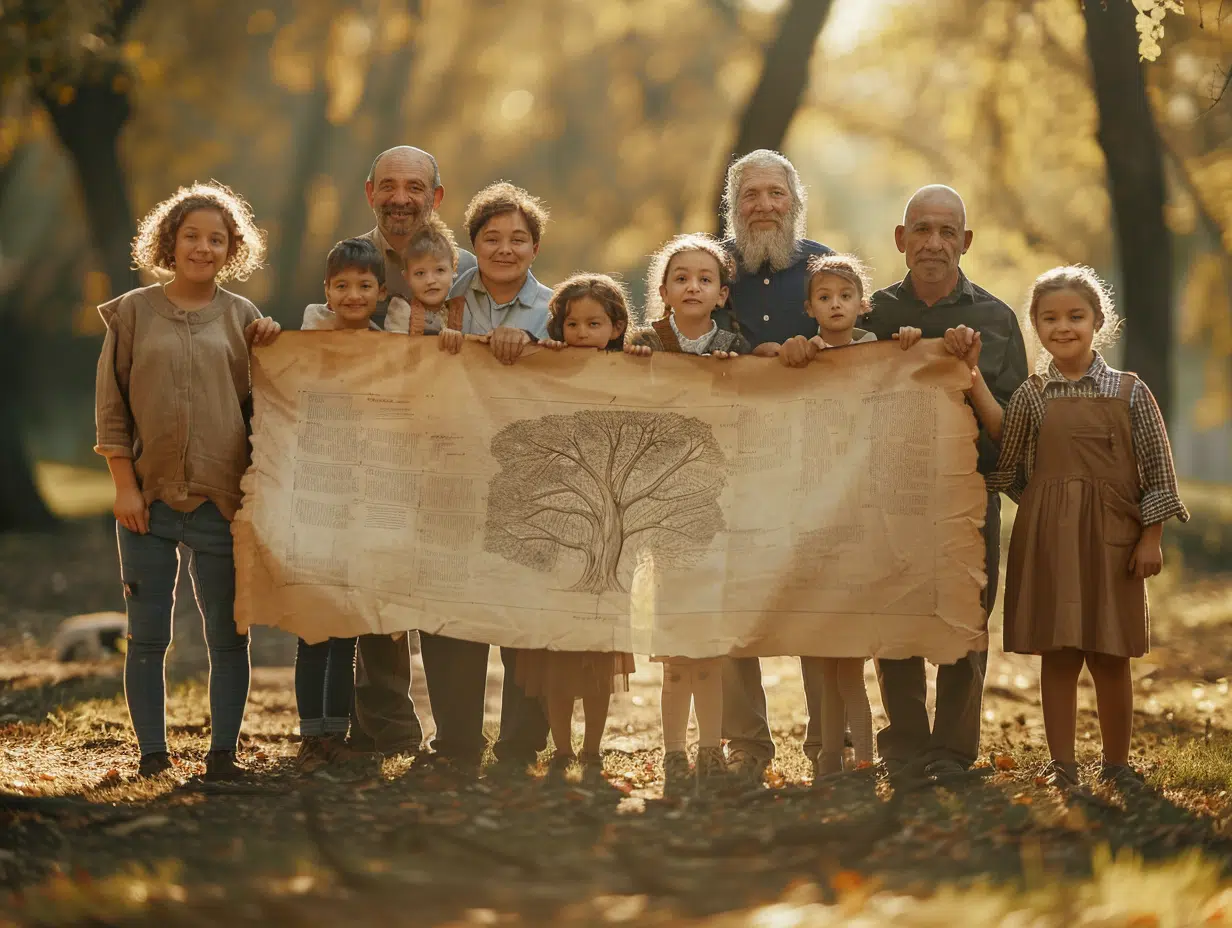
x=590, y=501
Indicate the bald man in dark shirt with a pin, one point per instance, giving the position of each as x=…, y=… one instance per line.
x=936, y=296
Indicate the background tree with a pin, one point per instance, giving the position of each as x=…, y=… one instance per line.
x=1135, y=167
x=68, y=54
x=603, y=485
x=784, y=78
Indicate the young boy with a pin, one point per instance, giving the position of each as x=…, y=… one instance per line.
x=834, y=687
x=430, y=261
x=354, y=285
x=324, y=672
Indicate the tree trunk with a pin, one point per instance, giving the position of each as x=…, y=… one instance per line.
x=312, y=148
x=1134, y=155
x=784, y=78
x=21, y=506
x=89, y=127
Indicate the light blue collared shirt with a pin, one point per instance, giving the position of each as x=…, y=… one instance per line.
x=528, y=310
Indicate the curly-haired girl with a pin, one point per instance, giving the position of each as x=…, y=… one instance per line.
x=172, y=396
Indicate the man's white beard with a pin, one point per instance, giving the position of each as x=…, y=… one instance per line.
x=760, y=247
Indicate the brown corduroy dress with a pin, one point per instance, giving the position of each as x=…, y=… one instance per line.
x=1068, y=583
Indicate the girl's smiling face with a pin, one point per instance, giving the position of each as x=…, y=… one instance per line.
x=692, y=285
x=1066, y=323
x=201, y=245
x=834, y=302
x=587, y=324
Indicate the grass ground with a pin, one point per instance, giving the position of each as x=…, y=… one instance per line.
x=82, y=843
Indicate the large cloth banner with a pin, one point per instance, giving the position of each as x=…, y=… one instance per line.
x=577, y=500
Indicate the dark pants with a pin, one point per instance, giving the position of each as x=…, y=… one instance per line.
x=524, y=726
x=456, y=672
x=148, y=567
x=955, y=731
x=324, y=686
x=383, y=718
x=745, y=723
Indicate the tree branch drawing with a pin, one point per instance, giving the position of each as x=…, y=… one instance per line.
x=604, y=484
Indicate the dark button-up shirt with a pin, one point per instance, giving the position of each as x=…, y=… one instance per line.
x=1003, y=355
x=395, y=279
x=769, y=305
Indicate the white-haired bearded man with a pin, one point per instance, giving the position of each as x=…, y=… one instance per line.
x=765, y=209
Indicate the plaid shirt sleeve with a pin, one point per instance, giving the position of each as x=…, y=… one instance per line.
x=1160, y=498
x=1012, y=471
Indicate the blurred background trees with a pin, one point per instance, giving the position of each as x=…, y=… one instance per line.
x=622, y=115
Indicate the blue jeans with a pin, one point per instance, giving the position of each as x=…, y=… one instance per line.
x=148, y=566
x=324, y=686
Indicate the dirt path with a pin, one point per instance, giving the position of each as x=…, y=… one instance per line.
x=411, y=847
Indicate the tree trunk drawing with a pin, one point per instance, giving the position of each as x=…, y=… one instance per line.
x=603, y=486
x=784, y=78
x=602, y=566
x=1134, y=155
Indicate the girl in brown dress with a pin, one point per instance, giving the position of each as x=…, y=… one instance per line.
x=1085, y=454
x=586, y=311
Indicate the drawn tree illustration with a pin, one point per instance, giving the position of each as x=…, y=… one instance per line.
x=598, y=484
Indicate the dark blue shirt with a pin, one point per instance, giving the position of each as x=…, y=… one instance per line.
x=769, y=305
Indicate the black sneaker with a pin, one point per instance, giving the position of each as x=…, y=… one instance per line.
x=220, y=767
x=154, y=764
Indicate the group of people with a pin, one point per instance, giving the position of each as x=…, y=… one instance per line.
x=1081, y=447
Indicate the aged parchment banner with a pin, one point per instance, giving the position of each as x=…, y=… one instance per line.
x=670, y=505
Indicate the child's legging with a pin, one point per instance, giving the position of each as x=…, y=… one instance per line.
x=324, y=686
x=699, y=682
x=844, y=701
x=148, y=567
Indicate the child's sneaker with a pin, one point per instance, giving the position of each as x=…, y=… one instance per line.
x=1061, y=774
x=350, y=765
x=678, y=779
x=711, y=768
x=154, y=764
x=561, y=761
x=1122, y=776
x=313, y=754
x=221, y=767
